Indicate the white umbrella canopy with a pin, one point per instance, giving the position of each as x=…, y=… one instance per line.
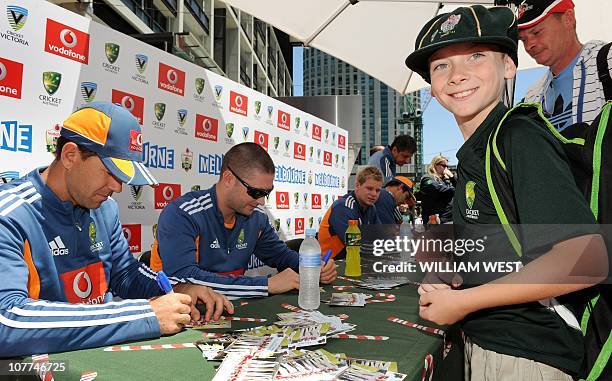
x=376, y=36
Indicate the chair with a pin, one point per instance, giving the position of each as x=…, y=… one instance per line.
x=294, y=244
x=145, y=258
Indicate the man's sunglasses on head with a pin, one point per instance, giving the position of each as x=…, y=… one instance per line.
x=255, y=193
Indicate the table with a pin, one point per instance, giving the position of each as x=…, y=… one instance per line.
x=407, y=346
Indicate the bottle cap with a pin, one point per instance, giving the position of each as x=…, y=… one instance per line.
x=353, y=222
x=311, y=232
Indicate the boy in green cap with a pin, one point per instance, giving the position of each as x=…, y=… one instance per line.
x=514, y=327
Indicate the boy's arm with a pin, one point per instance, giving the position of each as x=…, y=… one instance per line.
x=563, y=234
x=571, y=265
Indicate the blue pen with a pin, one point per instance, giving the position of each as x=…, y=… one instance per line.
x=164, y=282
x=327, y=256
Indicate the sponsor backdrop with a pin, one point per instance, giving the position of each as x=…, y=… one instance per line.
x=52, y=61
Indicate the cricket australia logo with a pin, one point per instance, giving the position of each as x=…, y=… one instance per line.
x=470, y=196
x=95, y=245
x=199, y=88
x=240, y=244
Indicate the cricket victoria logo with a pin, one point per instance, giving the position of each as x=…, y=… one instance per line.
x=57, y=247
x=17, y=17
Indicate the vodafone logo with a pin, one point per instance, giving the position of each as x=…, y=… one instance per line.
x=316, y=201
x=341, y=141
x=327, y=158
x=261, y=138
x=11, y=77
x=133, y=234
x=171, y=79
x=82, y=279
x=131, y=102
x=299, y=226
x=299, y=151
x=127, y=233
x=165, y=193
x=316, y=132
x=284, y=120
x=68, y=38
x=206, y=128
x=207, y=125
x=168, y=193
x=67, y=42
x=282, y=200
x=239, y=104
x=128, y=103
x=86, y=284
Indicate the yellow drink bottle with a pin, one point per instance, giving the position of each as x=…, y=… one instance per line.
x=353, y=245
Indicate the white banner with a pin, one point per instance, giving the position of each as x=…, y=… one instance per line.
x=52, y=61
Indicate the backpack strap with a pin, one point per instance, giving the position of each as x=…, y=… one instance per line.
x=597, y=152
x=498, y=181
x=602, y=360
x=603, y=71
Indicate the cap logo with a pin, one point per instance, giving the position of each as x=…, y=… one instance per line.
x=524, y=7
x=68, y=38
x=450, y=23
x=135, y=141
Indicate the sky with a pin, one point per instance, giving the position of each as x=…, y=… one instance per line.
x=440, y=132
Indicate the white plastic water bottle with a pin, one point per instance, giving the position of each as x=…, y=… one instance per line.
x=310, y=270
x=405, y=227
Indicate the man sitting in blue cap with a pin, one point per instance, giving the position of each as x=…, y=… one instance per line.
x=63, y=254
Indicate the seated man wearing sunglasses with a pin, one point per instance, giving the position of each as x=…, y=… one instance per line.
x=208, y=236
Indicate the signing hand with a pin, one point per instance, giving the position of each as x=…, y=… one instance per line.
x=328, y=272
x=284, y=281
x=215, y=302
x=172, y=312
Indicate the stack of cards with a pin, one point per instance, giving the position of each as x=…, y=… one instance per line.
x=357, y=372
x=240, y=366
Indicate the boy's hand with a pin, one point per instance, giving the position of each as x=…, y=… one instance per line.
x=443, y=306
x=433, y=281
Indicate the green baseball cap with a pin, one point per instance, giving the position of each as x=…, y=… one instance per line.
x=496, y=25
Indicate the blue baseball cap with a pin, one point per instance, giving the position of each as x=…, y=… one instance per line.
x=114, y=134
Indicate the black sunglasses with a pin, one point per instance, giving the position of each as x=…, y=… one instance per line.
x=255, y=193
